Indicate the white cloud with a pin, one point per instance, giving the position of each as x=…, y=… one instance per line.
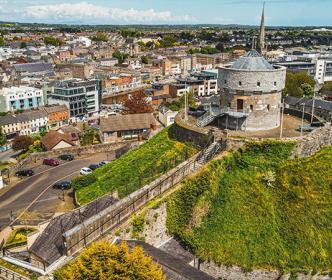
x=88, y=12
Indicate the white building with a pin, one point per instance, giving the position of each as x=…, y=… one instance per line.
x=20, y=98
x=166, y=116
x=25, y=123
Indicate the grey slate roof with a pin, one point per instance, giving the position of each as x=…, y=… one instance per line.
x=49, y=246
x=252, y=61
x=322, y=104
x=36, y=67
x=22, y=117
x=173, y=267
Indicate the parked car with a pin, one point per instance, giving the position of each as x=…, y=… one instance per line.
x=85, y=171
x=63, y=185
x=94, y=166
x=104, y=162
x=67, y=157
x=51, y=162
x=24, y=173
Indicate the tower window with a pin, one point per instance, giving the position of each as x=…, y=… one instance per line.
x=225, y=81
x=275, y=84
x=240, y=83
x=258, y=84
x=251, y=108
x=268, y=107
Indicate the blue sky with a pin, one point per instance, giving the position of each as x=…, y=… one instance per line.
x=278, y=12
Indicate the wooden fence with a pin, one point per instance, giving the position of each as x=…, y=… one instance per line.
x=10, y=275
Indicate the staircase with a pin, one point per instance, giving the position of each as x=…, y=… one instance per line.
x=210, y=152
x=210, y=116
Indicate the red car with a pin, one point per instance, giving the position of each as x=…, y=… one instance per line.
x=51, y=162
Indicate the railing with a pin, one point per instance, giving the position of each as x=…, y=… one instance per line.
x=108, y=219
x=10, y=275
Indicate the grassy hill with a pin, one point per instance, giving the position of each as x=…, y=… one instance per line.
x=134, y=169
x=259, y=209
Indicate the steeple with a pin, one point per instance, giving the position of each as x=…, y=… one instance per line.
x=261, y=42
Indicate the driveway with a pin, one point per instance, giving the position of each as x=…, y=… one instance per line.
x=36, y=193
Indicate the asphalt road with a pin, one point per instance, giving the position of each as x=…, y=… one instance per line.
x=36, y=192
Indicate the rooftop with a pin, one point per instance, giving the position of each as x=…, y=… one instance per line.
x=253, y=61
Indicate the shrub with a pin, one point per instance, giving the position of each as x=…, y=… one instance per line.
x=84, y=181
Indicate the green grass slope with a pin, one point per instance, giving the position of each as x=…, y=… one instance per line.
x=134, y=169
x=259, y=209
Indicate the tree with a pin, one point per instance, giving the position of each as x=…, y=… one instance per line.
x=103, y=260
x=179, y=104
x=167, y=42
x=100, y=37
x=2, y=41
x=220, y=47
x=3, y=138
x=48, y=40
x=89, y=136
x=308, y=90
x=137, y=103
x=23, y=45
x=120, y=56
x=22, y=142
x=144, y=59
x=294, y=82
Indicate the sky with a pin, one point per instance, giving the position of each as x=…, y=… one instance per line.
x=278, y=12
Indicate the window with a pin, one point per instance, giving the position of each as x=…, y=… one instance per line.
x=275, y=84
x=240, y=83
x=268, y=107
x=225, y=81
x=258, y=84
x=251, y=108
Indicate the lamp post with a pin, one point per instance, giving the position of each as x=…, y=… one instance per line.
x=303, y=104
x=282, y=117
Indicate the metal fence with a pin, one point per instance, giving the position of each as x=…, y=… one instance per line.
x=95, y=227
x=10, y=275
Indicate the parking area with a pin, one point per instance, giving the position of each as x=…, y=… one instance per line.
x=36, y=192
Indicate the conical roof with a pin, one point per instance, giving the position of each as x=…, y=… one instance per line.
x=252, y=60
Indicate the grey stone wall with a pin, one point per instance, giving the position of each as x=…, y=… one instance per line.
x=313, y=142
x=249, y=79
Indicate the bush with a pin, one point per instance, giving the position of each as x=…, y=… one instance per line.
x=84, y=181
x=22, y=142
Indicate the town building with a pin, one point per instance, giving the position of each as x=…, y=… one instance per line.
x=126, y=127
x=79, y=70
x=83, y=98
x=166, y=116
x=36, y=69
x=54, y=140
x=58, y=115
x=20, y=98
x=25, y=123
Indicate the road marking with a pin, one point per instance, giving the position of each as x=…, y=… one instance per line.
x=34, y=201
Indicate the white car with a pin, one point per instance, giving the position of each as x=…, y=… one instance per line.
x=85, y=171
x=104, y=162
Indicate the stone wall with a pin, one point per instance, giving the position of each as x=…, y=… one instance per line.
x=313, y=142
x=187, y=133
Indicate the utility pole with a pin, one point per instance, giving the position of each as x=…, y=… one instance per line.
x=282, y=117
x=303, y=104
x=185, y=103
x=314, y=98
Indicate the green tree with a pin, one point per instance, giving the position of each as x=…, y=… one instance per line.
x=89, y=136
x=3, y=138
x=167, y=42
x=308, y=90
x=23, y=45
x=294, y=82
x=144, y=59
x=121, y=57
x=179, y=104
x=2, y=41
x=106, y=261
x=22, y=142
x=53, y=41
x=100, y=37
x=220, y=47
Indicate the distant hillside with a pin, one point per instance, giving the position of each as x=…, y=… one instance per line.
x=258, y=209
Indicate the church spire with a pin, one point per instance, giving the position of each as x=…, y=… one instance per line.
x=261, y=45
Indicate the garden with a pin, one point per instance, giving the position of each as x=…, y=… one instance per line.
x=257, y=208
x=135, y=169
x=18, y=237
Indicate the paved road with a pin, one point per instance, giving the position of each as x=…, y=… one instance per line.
x=28, y=191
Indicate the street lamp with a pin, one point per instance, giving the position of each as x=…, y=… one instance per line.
x=303, y=104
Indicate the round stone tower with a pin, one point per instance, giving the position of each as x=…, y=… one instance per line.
x=250, y=91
